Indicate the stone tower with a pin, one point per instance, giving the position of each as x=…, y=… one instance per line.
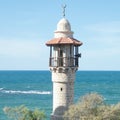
x=63, y=63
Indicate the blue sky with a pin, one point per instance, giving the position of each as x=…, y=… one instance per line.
x=26, y=25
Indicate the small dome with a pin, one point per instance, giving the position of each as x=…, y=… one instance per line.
x=63, y=25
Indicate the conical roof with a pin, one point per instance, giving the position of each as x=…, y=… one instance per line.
x=64, y=41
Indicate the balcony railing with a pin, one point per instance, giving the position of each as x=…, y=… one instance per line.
x=63, y=61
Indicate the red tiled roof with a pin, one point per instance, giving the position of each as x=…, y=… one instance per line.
x=61, y=40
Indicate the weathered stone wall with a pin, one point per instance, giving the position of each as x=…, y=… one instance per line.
x=63, y=91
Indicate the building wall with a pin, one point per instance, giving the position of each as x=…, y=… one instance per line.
x=63, y=90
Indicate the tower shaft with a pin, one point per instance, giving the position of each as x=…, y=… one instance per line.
x=63, y=91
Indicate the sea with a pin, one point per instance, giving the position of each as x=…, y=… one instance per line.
x=34, y=88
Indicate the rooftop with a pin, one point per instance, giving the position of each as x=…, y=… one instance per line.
x=64, y=40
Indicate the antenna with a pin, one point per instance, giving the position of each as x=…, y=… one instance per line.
x=63, y=7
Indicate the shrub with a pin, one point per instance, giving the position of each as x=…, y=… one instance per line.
x=23, y=113
x=92, y=107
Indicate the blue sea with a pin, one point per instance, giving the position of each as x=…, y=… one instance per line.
x=34, y=88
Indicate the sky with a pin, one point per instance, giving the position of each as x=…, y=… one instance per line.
x=26, y=25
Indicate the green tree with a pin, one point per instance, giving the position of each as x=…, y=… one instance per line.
x=23, y=113
x=92, y=107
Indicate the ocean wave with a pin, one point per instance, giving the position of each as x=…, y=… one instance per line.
x=25, y=92
x=1, y=89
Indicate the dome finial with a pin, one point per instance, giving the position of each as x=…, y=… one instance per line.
x=64, y=6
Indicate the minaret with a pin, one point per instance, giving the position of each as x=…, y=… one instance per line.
x=63, y=63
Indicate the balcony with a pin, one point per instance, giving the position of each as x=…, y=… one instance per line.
x=63, y=62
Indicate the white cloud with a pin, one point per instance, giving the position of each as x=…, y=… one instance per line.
x=108, y=27
x=101, y=59
x=101, y=50
x=104, y=35
x=14, y=47
x=24, y=54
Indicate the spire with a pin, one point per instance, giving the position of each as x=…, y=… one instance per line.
x=63, y=7
x=63, y=27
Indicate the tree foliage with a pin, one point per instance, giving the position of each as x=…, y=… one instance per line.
x=23, y=113
x=92, y=107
